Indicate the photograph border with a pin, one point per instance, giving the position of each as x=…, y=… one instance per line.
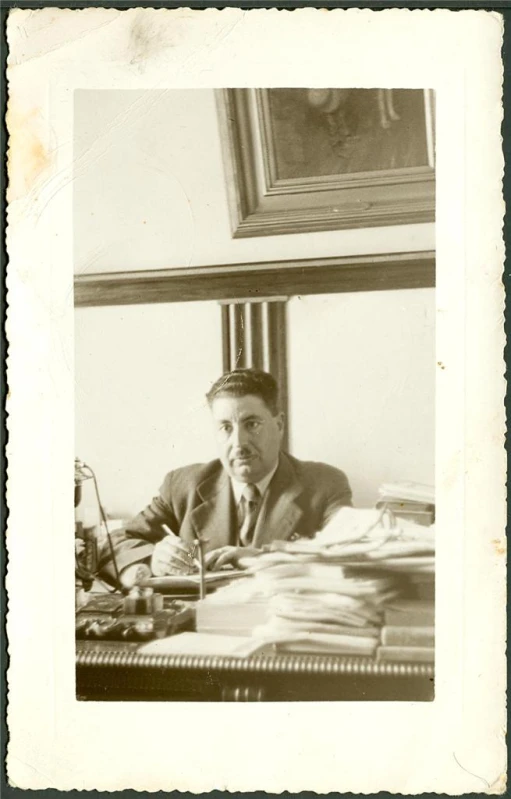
x=467, y=755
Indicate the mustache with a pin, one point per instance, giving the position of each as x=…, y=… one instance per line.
x=242, y=453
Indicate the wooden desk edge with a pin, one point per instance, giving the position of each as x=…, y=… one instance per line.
x=256, y=664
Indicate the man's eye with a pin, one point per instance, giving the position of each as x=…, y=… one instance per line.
x=225, y=428
x=253, y=426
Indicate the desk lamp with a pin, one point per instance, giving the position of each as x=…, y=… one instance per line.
x=87, y=557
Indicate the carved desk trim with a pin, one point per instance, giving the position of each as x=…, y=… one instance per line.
x=110, y=672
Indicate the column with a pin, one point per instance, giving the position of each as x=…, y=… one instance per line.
x=254, y=334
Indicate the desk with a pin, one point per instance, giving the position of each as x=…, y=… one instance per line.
x=111, y=671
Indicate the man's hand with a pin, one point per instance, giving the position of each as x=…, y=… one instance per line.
x=229, y=555
x=171, y=556
x=134, y=574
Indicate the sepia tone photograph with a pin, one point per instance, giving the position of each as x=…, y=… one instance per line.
x=254, y=477
x=255, y=364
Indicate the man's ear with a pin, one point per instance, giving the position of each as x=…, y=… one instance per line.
x=280, y=421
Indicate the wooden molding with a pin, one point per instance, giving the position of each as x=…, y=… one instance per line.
x=258, y=281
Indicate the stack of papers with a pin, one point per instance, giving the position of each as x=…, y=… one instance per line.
x=317, y=607
x=373, y=539
x=327, y=594
x=298, y=604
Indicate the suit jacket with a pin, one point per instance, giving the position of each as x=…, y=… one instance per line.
x=198, y=499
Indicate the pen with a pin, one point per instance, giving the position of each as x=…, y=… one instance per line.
x=169, y=532
x=202, y=568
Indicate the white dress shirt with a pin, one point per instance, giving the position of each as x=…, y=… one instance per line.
x=262, y=485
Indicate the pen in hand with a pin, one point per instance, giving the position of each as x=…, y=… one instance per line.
x=185, y=550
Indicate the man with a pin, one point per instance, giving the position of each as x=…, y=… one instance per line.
x=254, y=494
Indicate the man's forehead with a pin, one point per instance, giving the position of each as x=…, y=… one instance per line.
x=228, y=407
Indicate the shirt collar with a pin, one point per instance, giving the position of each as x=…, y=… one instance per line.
x=262, y=485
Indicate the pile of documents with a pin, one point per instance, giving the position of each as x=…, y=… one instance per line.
x=370, y=539
x=300, y=605
x=328, y=594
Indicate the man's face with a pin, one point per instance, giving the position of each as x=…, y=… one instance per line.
x=248, y=436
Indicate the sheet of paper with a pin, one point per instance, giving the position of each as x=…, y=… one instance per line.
x=453, y=745
x=202, y=644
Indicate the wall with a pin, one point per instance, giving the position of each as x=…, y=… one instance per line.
x=362, y=385
x=361, y=380
x=140, y=407
x=149, y=191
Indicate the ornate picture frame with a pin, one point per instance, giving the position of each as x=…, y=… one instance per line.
x=380, y=169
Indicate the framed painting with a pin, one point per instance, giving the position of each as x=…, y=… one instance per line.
x=300, y=160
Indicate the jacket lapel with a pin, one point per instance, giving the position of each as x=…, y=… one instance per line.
x=212, y=518
x=280, y=512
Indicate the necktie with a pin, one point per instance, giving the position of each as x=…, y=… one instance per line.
x=250, y=507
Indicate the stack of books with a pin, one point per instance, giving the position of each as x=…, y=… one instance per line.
x=408, y=633
x=407, y=500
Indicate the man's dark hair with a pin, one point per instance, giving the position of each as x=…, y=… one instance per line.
x=241, y=382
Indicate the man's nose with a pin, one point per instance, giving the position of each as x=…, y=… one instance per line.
x=239, y=436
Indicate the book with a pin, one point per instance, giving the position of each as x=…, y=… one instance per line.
x=424, y=590
x=191, y=582
x=408, y=636
x=410, y=613
x=418, y=512
x=418, y=590
x=415, y=585
x=408, y=491
x=405, y=506
x=406, y=654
